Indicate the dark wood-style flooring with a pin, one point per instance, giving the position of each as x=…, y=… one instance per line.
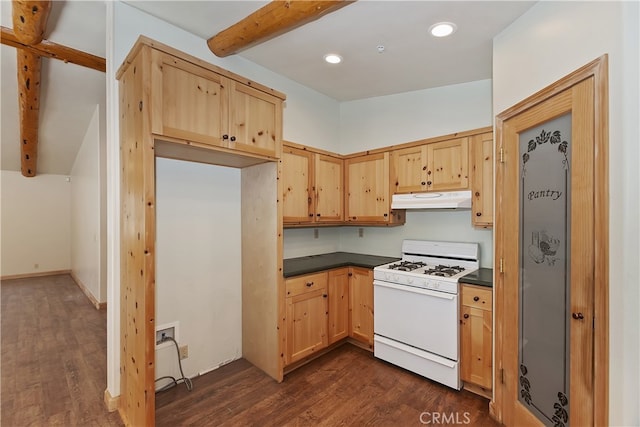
x=54, y=373
x=346, y=387
x=54, y=347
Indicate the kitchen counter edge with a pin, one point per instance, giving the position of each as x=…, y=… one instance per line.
x=480, y=277
x=315, y=263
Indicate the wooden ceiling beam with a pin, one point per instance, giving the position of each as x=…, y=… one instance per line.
x=272, y=20
x=29, y=97
x=29, y=23
x=30, y=20
x=56, y=51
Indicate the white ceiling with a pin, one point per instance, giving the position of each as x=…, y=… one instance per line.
x=412, y=59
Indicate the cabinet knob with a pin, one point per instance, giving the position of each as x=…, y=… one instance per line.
x=428, y=172
x=317, y=214
x=225, y=137
x=477, y=194
x=478, y=213
x=309, y=284
x=428, y=182
x=476, y=299
x=233, y=138
x=423, y=183
x=386, y=215
x=578, y=316
x=311, y=215
x=466, y=316
x=424, y=168
x=324, y=295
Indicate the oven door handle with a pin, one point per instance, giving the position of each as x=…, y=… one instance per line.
x=421, y=291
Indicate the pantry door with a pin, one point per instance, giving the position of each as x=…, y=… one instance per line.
x=551, y=248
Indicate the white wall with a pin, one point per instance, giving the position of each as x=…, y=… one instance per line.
x=85, y=211
x=35, y=223
x=394, y=119
x=198, y=263
x=546, y=43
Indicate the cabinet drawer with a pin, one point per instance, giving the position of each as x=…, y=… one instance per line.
x=307, y=283
x=475, y=296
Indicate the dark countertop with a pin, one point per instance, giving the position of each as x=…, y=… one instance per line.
x=481, y=277
x=314, y=263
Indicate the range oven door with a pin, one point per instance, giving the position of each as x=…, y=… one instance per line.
x=417, y=329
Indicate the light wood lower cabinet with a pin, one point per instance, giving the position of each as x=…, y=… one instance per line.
x=307, y=309
x=324, y=308
x=338, y=291
x=361, y=304
x=476, y=338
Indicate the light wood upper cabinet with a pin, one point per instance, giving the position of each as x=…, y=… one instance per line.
x=338, y=290
x=329, y=194
x=482, y=180
x=297, y=180
x=255, y=120
x=190, y=102
x=198, y=105
x=436, y=166
x=312, y=187
x=367, y=186
x=448, y=165
x=361, y=304
x=409, y=169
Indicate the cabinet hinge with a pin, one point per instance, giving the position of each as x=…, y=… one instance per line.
x=501, y=376
x=501, y=155
x=501, y=265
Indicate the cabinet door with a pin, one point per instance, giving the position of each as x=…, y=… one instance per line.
x=306, y=324
x=367, y=198
x=482, y=180
x=297, y=191
x=189, y=102
x=448, y=165
x=338, y=290
x=255, y=121
x=361, y=304
x=475, y=346
x=409, y=170
x=328, y=188
x=476, y=335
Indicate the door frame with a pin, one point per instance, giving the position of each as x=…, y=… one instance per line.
x=598, y=69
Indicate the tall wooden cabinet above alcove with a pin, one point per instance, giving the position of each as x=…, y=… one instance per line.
x=178, y=106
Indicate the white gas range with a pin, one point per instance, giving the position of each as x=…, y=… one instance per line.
x=416, y=308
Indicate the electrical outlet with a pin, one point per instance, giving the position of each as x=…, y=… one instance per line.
x=162, y=334
x=316, y=233
x=360, y=232
x=184, y=352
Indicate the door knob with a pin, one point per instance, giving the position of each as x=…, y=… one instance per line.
x=577, y=316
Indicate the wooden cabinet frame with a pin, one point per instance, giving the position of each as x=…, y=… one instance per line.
x=262, y=288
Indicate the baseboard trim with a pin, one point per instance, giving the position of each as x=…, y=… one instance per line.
x=97, y=304
x=112, y=403
x=38, y=274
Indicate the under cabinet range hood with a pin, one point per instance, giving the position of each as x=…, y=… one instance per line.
x=433, y=200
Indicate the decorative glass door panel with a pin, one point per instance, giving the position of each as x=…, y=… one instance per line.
x=545, y=273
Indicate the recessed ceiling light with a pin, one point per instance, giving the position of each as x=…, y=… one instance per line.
x=442, y=29
x=333, y=58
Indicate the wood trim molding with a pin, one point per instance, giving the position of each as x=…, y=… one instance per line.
x=38, y=274
x=598, y=69
x=273, y=19
x=112, y=403
x=94, y=301
x=56, y=51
